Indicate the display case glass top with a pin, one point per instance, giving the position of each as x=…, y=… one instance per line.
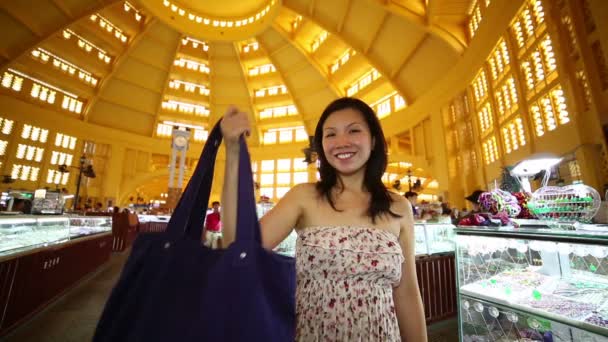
x=87, y=225
x=23, y=233
x=560, y=276
x=597, y=233
x=434, y=238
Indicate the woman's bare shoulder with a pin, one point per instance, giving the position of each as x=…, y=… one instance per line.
x=301, y=192
x=400, y=204
x=304, y=188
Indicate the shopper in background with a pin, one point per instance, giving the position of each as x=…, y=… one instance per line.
x=356, y=273
x=412, y=197
x=474, y=199
x=213, y=226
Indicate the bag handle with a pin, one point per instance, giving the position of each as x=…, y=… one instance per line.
x=189, y=214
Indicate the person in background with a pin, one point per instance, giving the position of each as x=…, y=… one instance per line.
x=98, y=207
x=474, y=199
x=412, y=197
x=355, y=263
x=213, y=226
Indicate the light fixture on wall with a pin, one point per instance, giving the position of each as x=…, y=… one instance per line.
x=87, y=171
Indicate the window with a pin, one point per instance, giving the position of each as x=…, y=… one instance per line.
x=513, y=135
x=25, y=172
x=549, y=112
x=65, y=141
x=6, y=126
x=34, y=133
x=490, y=150
x=56, y=177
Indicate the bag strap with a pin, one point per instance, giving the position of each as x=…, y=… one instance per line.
x=247, y=224
x=190, y=212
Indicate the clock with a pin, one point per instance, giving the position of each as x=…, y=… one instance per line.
x=180, y=141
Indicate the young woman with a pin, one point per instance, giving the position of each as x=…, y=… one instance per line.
x=356, y=274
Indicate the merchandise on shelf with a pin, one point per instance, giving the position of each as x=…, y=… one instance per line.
x=557, y=279
x=499, y=201
x=572, y=203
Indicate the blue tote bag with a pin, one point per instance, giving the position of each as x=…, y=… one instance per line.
x=173, y=288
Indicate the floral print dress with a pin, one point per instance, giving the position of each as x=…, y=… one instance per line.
x=345, y=278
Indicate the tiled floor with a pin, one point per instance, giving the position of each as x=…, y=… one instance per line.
x=74, y=316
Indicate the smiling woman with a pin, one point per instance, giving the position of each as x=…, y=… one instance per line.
x=351, y=231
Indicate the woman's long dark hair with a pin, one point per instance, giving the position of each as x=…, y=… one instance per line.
x=381, y=200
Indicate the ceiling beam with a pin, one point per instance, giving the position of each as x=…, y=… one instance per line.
x=354, y=46
x=311, y=60
x=407, y=58
x=376, y=32
x=257, y=136
x=458, y=44
x=273, y=60
x=431, y=7
x=26, y=48
x=311, y=8
x=118, y=60
x=349, y=4
x=62, y=8
x=22, y=19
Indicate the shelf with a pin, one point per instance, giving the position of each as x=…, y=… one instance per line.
x=530, y=310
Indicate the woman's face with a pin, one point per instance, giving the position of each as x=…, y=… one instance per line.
x=347, y=141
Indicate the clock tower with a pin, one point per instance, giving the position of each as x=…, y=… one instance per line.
x=179, y=146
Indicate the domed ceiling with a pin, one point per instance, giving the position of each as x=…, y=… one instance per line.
x=143, y=66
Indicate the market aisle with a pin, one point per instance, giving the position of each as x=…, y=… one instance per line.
x=73, y=317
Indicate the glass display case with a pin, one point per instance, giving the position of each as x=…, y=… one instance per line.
x=434, y=238
x=155, y=218
x=532, y=284
x=21, y=233
x=87, y=225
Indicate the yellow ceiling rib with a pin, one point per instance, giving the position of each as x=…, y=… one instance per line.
x=257, y=135
x=312, y=61
x=49, y=35
x=458, y=44
x=118, y=60
x=343, y=19
x=407, y=58
x=293, y=95
x=376, y=33
x=358, y=51
x=23, y=20
x=62, y=8
x=311, y=8
x=165, y=84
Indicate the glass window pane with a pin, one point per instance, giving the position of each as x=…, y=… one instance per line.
x=270, y=137
x=300, y=177
x=283, y=164
x=284, y=178
x=267, y=165
x=285, y=136
x=267, y=179
x=299, y=164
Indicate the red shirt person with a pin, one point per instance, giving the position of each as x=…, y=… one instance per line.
x=213, y=226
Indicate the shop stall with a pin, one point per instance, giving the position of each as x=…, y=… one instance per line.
x=42, y=257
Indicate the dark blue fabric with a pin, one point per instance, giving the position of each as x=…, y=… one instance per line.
x=173, y=288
